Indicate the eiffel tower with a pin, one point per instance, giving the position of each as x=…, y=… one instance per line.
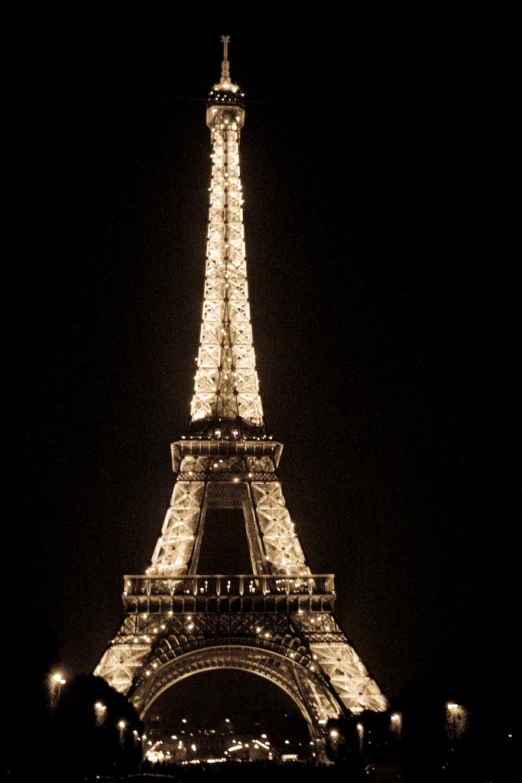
x=277, y=622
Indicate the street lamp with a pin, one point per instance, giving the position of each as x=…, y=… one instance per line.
x=121, y=726
x=100, y=711
x=334, y=742
x=360, y=735
x=57, y=680
x=456, y=720
x=396, y=724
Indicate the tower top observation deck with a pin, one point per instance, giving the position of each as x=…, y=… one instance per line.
x=225, y=94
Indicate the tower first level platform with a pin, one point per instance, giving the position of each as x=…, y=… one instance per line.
x=277, y=621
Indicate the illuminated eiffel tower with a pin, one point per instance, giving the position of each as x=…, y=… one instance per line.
x=278, y=621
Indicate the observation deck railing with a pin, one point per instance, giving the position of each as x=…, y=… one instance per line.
x=237, y=585
x=222, y=592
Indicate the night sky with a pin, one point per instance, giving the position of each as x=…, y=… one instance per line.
x=381, y=215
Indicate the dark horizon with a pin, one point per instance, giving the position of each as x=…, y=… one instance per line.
x=380, y=249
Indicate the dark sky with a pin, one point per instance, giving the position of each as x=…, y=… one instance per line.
x=381, y=214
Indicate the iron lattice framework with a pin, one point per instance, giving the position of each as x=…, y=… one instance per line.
x=279, y=621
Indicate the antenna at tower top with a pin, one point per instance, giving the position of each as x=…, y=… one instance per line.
x=226, y=82
x=225, y=40
x=225, y=69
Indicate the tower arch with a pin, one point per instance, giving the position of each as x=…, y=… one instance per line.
x=308, y=691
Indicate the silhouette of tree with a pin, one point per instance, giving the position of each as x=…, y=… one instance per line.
x=96, y=731
x=33, y=657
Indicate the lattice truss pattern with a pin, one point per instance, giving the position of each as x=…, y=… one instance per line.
x=281, y=544
x=339, y=661
x=226, y=383
x=312, y=641
x=323, y=639
x=265, y=663
x=282, y=553
x=175, y=546
x=120, y=662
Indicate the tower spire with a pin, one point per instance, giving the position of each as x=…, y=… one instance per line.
x=225, y=69
x=226, y=400
x=226, y=84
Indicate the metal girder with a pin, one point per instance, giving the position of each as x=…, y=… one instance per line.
x=271, y=532
x=172, y=610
